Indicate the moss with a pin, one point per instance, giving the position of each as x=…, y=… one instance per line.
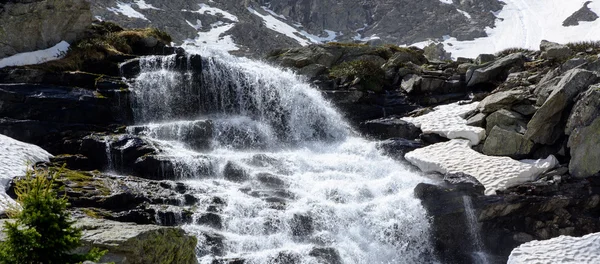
x=78, y=180
x=163, y=246
x=369, y=72
x=92, y=213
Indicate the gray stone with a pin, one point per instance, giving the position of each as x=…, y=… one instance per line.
x=477, y=120
x=385, y=128
x=35, y=25
x=543, y=125
x=525, y=109
x=431, y=84
x=554, y=51
x=585, y=110
x=500, y=100
x=507, y=120
x=436, y=51
x=585, y=153
x=583, y=14
x=411, y=83
x=484, y=58
x=504, y=142
x=493, y=71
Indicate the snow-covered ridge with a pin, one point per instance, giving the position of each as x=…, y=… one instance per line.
x=525, y=23
x=562, y=249
x=36, y=57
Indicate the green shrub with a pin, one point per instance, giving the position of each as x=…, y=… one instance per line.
x=43, y=231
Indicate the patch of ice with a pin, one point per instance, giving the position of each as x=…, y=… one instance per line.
x=494, y=173
x=36, y=57
x=448, y=121
x=213, y=11
x=126, y=10
x=143, y=5
x=525, y=24
x=562, y=249
x=449, y=2
x=281, y=27
x=273, y=13
x=331, y=36
x=467, y=15
x=15, y=156
x=197, y=26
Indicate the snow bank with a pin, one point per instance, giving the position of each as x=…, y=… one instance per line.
x=14, y=158
x=36, y=57
x=448, y=121
x=128, y=11
x=495, y=173
x=215, y=37
x=525, y=24
x=562, y=249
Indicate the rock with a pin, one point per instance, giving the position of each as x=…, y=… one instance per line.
x=399, y=59
x=301, y=225
x=131, y=243
x=524, y=109
x=411, y=83
x=484, y=58
x=585, y=110
x=506, y=119
x=326, y=255
x=432, y=138
x=506, y=142
x=500, y=100
x=385, y=128
x=544, y=125
x=270, y=180
x=36, y=25
x=397, y=147
x=436, y=51
x=234, y=172
x=494, y=71
x=585, y=154
x=583, y=14
x=554, y=51
x=477, y=120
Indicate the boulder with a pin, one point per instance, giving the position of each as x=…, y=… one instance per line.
x=554, y=51
x=586, y=110
x=387, y=127
x=398, y=147
x=436, y=52
x=411, y=83
x=494, y=71
x=399, y=59
x=477, y=120
x=40, y=24
x=506, y=142
x=485, y=58
x=506, y=119
x=585, y=154
x=545, y=123
x=500, y=100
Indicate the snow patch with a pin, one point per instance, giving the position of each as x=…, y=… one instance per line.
x=448, y=2
x=525, y=24
x=126, y=10
x=562, y=249
x=197, y=26
x=467, y=15
x=273, y=13
x=214, y=38
x=494, y=173
x=143, y=5
x=15, y=156
x=213, y=11
x=281, y=27
x=448, y=121
x=36, y=57
x=331, y=36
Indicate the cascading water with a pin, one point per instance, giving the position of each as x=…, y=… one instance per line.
x=286, y=181
x=479, y=255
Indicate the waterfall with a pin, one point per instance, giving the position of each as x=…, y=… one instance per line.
x=289, y=181
x=479, y=255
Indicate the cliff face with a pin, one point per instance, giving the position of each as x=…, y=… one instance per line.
x=39, y=24
x=257, y=26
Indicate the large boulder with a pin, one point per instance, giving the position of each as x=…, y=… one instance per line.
x=40, y=24
x=586, y=110
x=585, y=154
x=544, y=125
x=500, y=100
x=554, y=51
x=385, y=128
x=494, y=71
x=506, y=119
x=507, y=142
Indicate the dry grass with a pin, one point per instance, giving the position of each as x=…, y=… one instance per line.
x=584, y=46
x=509, y=51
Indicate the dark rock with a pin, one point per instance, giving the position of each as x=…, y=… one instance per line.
x=326, y=255
x=432, y=138
x=270, y=180
x=494, y=71
x=585, y=154
x=583, y=14
x=301, y=225
x=210, y=219
x=234, y=172
x=385, y=128
x=76, y=162
x=212, y=244
x=398, y=147
x=506, y=119
x=585, y=111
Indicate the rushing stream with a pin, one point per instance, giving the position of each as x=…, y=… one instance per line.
x=282, y=176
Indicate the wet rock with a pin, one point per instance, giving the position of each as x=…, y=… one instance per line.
x=301, y=225
x=270, y=180
x=432, y=138
x=384, y=128
x=210, y=219
x=398, y=147
x=326, y=255
x=234, y=172
x=211, y=244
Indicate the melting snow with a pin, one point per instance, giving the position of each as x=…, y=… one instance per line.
x=467, y=15
x=449, y=2
x=206, y=9
x=525, y=24
x=281, y=27
x=273, y=13
x=495, y=173
x=15, y=156
x=35, y=57
x=562, y=249
x=143, y=5
x=448, y=121
x=215, y=37
x=126, y=10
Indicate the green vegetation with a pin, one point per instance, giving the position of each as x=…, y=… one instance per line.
x=78, y=180
x=584, y=46
x=509, y=51
x=43, y=231
x=370, y=73
x=103, y=40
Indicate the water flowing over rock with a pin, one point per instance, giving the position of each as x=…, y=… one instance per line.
x=296, y=184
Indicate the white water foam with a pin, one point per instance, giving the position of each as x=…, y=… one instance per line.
x=313, y=184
